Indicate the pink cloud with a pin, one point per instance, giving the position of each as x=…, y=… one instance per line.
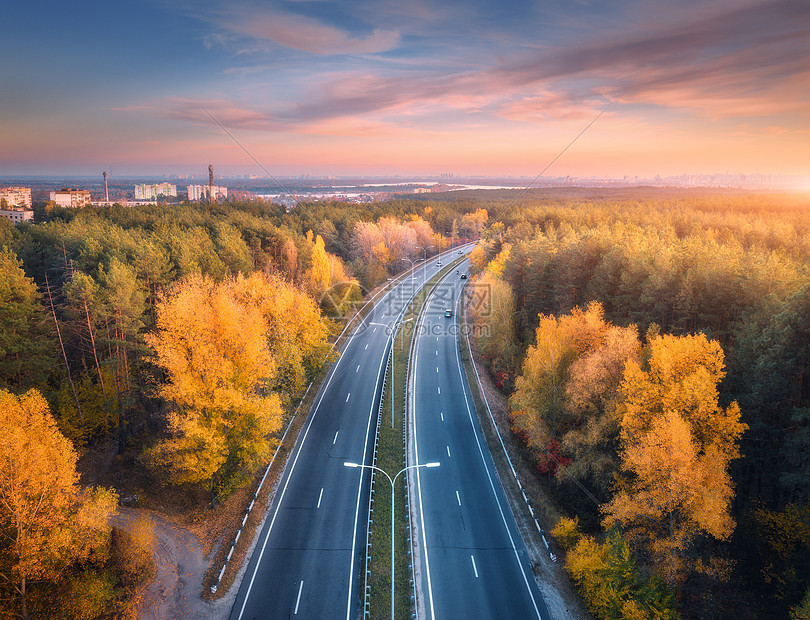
x=229, y=113
x=312, y=36
x=264, y=23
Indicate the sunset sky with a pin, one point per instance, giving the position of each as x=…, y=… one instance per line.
x=378, y=87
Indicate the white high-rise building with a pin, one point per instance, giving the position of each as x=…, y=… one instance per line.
x=203, y=192
x=151, y=192
x=16, y=196
x=67, y=197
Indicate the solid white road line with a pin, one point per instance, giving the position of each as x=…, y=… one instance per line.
x=419, y=490
x=319, y=498
x=335, y=439
x=349, y=598
x=347, y=396
x=419, y=479
x=458, y=498
x=492, y=485
x=472, y=557
x=303, y=439
x=298, y=600
x=289, y=477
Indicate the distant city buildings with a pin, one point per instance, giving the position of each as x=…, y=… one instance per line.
x=438, y=187
x=237, y=195
x=16, y=196
x=203, y=192
x=145, y=191
x=74, y=198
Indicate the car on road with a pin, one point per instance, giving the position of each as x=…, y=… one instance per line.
x=448, y=312
x=460, y=252
x=439, y=264
x=463, y=276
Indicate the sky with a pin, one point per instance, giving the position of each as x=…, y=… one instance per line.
x=410, y=87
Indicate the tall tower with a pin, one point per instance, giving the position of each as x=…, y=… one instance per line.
x=210, y=182
x=106, y=191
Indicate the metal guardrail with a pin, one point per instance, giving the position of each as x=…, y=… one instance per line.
x=371, y=491
x=256, y=494
x=411, y=350
x=336, y=343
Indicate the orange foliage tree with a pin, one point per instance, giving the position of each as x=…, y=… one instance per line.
x=230, y=350
x=47, y=523
x=547, y=407
x=676, y=444
x=593, y=400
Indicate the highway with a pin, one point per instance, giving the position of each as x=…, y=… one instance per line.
x=472, y=561
x=306, y=561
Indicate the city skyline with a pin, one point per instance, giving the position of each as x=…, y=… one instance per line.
x=370, y=88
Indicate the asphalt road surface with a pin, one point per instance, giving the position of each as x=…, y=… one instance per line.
x=473, y=562
x=306, y=563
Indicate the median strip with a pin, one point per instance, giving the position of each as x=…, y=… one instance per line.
x=391, y=459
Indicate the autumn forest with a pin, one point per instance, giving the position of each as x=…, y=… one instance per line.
x=653, y=346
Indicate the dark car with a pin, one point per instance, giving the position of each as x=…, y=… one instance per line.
x=463, y=276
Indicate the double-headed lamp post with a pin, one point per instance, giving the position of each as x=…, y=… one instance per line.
x=393, y=482
x=424, y=261
x=412, y=270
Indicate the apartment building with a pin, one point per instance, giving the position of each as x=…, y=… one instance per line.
x=203, y=192
x=146, y=191
x=68, y=197
x=16, y=196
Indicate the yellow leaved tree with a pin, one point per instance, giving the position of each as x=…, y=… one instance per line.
x=540, y=400
x=320, y=276
x=296, y=332
x=47, y=522
x=592, y=406
x=230, y=350
x=676, y=444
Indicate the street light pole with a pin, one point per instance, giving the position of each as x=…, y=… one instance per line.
x=412, y=264
x=424, y=267
x=392, y=481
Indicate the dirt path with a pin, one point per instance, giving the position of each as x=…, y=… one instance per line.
x=180, y=565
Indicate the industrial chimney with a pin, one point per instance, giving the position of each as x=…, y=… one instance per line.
x=106, y=191
x=210, y=182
